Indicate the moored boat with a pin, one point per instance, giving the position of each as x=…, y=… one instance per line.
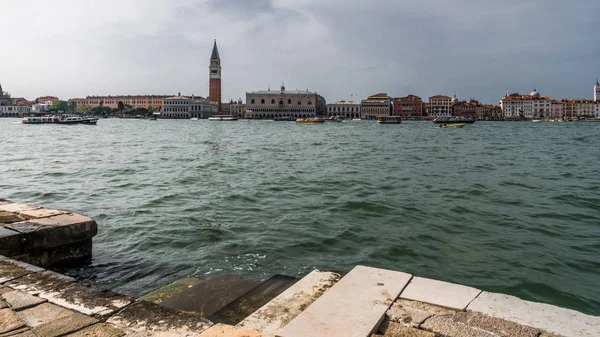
x=389, y=120
x=40, y=120
x=222, y=118
x=455, y=125
x=453, y=120
x=537, y=121
x=313, y=120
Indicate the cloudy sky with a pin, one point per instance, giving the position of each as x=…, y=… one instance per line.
x=474, y=48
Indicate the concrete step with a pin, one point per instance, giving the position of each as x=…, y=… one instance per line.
x=245, y=305
x=355, y=306
x=223, y=330
x=273, y=316
x=170, y=290
x=210, y=295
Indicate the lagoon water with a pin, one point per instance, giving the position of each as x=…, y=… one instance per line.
x=506, y=207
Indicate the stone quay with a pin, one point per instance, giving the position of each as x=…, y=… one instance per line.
x=366, y=302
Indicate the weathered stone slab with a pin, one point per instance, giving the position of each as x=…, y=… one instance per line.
x=17, y=207
x=86, y=300
x=148, y=319
x=54, y=231
x=413, y=313
x=3, y=304
x=494, y=325
x=9, y=321
x=64, y=325
x=19, y=300
x=10, y=217
x=42, y=213
x=444, y=294
x=392, y=329
x=66, y=255
x=545, y=317
x=24, y=332
x=209, y=295
x=445, y=326
x=43, y=313
x=281, y=310
x=355, y=306
x=99, y=330
x=170, y=290
x=46, y=281
x=223, y=330
x=253, y=300
x=10, y=242
x=10, y=271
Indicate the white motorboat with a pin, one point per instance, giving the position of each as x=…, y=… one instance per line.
x=77, y=120
x=537, y=121
x=222, y=118
x=194, y=119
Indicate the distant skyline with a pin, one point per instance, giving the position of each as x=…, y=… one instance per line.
x=476, y=49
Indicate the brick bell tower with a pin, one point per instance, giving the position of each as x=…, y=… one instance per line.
x=214, y=84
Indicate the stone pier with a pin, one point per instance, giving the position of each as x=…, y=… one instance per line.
x=44, y=237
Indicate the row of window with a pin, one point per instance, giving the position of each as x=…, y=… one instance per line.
x=289, y=101
x=342, y=109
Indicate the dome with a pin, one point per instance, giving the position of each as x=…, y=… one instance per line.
x=534, y=93
x=454, y=99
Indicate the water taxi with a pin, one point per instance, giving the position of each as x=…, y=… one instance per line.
x=453, y=120
x=222, y=118
x=314, y=120
x=77, y=120
x=537, y=121
x=389, y=120
x=455, y=125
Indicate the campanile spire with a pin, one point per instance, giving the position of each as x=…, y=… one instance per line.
x=214, y=68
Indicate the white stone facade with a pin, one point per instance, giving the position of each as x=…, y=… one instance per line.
x=14, y=110
x=440, y=106
x=346, y=109
x=530, y=106
x=281, y=103
x=183, y=107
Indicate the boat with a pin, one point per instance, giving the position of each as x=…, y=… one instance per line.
x=222, y=118
x=453, y=120
x=153, y=118
x=69, y=120
x=537, y=121
x=313, y=120
x=454, y=125
x=194, y=119
x=336, y=119
x=356, y=119
x=389, y=120
x=40, y=120
x=284, y=119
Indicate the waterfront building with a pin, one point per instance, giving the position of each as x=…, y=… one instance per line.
x=441, y=106
x=154, y=102
x=13, y=110
x=46, y=100
x=410, y=106
x=574, y=109
x=516, y=106
x=183, y=107
x=597, y=109
x=237, y=109
x=378, y=105
x=214, y=74
x=466, y=109
x=345, y=109
x=281, y=103
x=597, y=91
x=556, y=110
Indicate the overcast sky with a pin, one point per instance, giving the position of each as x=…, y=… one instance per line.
x=474, y=48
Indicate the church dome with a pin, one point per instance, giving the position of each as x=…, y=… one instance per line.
x=454, y=99
x=535, y=93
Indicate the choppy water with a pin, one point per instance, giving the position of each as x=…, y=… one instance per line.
x=507, y=207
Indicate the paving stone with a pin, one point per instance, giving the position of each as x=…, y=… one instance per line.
x=392, y=329
x=10, y=271
x=10, y=242
x=9, y=321
x=145, y=318
x=54, y=231
x=3, y=304
x=43, y=313
x=281, y=310
x=25, y=332
x=169, y=290
x=413, y=313
x=64, y=325
x=36, y=283
x=42, y=213
x=355, y=306
x=86, y=300
x=224, y=330
x=444, y=294
x=494, y=325
x=545, y=317
x=208, y=296
x=99, y=330
x=17, y=207
x=10, y=217
x=19, y=300
x=445, y=326
x=29, y=267
x=4, y=289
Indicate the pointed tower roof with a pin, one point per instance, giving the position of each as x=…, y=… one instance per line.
x=598, y=84
x=215, y=52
